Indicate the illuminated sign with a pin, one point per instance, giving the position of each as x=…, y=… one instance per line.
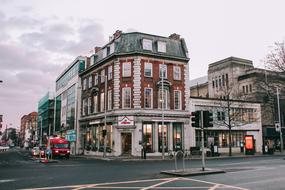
x=249, y=142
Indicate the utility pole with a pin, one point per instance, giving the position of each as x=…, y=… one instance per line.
x=202, y=136
x=279, y=120
x=41, y=131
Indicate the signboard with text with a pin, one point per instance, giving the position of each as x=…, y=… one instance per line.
x=126, y=121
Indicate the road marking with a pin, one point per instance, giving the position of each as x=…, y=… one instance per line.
x=7, y=180
x=224, y=185
x=214, y=187
x=158, y=184
x=264, y=181
x=95, y=184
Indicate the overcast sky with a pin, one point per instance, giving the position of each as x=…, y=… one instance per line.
x=39, y=38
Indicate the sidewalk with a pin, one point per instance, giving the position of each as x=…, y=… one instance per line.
x=158, y=158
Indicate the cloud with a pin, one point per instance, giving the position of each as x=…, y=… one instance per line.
x=65, y=38
x=33, y=52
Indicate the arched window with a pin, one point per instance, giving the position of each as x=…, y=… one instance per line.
x=164, y=98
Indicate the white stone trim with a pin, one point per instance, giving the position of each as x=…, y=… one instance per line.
x=137, y=83
x=116, y=90
x=186, y=86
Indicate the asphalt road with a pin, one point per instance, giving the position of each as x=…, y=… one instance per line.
x=19, y=171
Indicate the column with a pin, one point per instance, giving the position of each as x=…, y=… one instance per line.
x=170, y=136
x=155, y=139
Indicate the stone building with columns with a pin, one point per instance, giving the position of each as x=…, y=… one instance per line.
x=125, y=81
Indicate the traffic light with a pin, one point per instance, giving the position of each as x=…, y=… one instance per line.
x=207, y=119
x=195, y=118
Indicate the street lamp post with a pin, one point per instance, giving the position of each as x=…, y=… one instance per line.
x=162, y=110
x=105, y=116
x=279, y=121
x=41, y=130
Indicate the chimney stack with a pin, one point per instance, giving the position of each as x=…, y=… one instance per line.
x=117, y=34
x=174, y=36
x=97, y=49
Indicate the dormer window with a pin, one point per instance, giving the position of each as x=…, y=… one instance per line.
x=112, y=48
x=161, y=46
x=104, y=52
x=147, y=44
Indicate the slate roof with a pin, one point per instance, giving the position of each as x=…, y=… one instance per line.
x=131, y=43
x=199, y=81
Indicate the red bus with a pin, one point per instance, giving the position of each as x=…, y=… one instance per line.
x=59, y=147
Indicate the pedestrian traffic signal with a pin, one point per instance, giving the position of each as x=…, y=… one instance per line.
x=195, y=118
x=207, y=119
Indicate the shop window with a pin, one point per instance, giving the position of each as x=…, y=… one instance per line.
x=177, y=136
x=163, y=135
x=148, y=137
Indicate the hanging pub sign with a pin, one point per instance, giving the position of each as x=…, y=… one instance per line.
x=126, y=121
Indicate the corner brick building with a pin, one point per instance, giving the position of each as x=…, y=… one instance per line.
x=136, y=67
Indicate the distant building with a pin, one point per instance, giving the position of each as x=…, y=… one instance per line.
x=68, y=95
x=137, y=68
x=244, y=82
x=245, y=120
x=28, y=129
x=199, y=87
x=45, y=117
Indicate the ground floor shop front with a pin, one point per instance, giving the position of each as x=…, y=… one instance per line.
x=221, y=139
x=128, y=135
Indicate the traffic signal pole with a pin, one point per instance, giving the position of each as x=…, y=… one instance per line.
x=279, y=121
x=202, y=136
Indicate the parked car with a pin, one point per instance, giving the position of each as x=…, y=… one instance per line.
x=36, y=151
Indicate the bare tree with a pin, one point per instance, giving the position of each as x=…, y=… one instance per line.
x=232, y=104
x=275, y=59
